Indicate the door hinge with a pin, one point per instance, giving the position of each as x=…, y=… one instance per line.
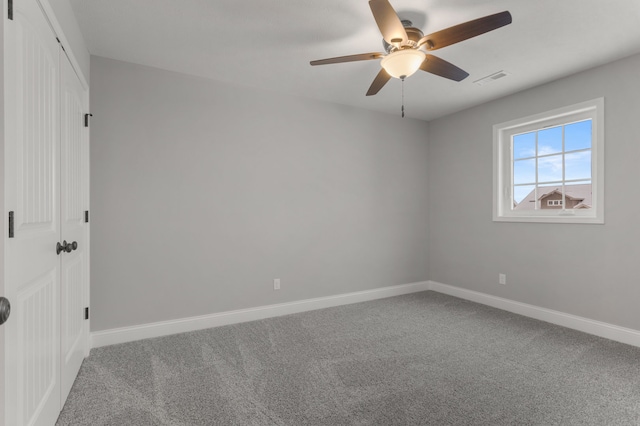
x=10, y=11
x=86, y=216
x=61, y=45
x=86, y=119
x=86, y=313
x=11, y=225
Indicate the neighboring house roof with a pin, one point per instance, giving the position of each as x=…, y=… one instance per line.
x=581, y=206
x=558, y=191
x=573, y=192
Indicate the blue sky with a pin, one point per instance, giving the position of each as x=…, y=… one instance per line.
x=577, y=156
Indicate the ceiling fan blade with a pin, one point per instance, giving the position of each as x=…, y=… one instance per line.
x=378, y=82
x=440, y=67
x=387, y=19
x=349, y=58
x=465, y=31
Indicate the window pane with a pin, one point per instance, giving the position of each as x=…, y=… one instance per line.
x=579, y=195
x=550, y=141
x=524, y=171
x=577, y=136
x=524, y=145
x=549, y=192
x=550, y=168
x=578, y=165
x=524, y=197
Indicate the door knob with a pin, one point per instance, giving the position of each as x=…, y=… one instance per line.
x=5, y=309
x=61, y=247
x=65, y=246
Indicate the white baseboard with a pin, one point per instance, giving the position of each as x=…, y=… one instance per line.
x=164, y=328
x=602, y=329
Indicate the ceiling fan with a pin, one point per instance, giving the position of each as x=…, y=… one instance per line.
x=405, y=45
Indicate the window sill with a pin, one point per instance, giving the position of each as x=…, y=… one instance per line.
x=566, y=218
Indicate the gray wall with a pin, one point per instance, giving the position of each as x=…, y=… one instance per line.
x=586, y=270
x=202, y=193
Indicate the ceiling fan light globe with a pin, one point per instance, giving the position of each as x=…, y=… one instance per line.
x=403, y=63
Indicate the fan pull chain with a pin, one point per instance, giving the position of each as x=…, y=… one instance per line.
x=402, y=98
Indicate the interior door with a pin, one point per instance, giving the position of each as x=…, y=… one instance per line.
x=32, y=158
x=73, y=144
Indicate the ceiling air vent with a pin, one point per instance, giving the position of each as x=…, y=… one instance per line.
x=491, y=78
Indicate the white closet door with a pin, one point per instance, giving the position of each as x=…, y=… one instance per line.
x=73, y=146
x=32, y=158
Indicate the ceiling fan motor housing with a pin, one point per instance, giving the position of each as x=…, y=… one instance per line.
x=413, y=34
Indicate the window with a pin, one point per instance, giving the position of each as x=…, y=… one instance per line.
x=550, y=167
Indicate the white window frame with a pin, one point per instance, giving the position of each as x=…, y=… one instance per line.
x=554, y=203
x=503, y=165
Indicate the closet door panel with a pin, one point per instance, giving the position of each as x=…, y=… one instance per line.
x=32, y=345
x=73, y=143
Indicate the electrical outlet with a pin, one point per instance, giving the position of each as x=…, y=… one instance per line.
x=276, y=284
x=502, y=279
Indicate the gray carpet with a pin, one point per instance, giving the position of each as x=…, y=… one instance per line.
x=419, y=359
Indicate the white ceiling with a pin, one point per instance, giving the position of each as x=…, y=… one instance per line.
x=268, y=44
